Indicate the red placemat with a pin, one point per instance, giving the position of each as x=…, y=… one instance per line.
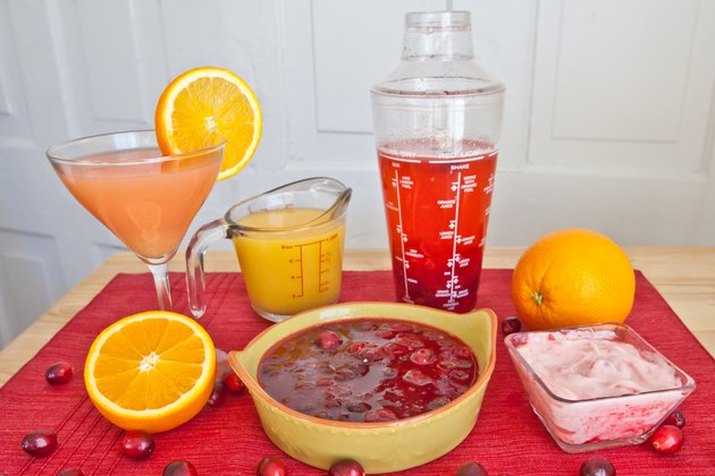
x=508, y=438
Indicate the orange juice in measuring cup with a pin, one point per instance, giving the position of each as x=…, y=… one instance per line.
x=289, y=243
x=290, y=271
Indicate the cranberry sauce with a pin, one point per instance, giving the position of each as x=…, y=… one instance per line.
x=368, y=370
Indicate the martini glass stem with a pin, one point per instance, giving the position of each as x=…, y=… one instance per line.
x=161, y=283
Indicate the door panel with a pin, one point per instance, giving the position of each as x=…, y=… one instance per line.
x=624, y=87
x=609, y=119
x=29, y=277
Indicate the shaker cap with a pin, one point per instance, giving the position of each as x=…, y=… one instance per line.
x=437, y=59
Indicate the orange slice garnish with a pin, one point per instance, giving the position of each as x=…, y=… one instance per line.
x=151, y=371
x=204, y=105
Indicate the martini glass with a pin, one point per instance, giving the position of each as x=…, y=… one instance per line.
x=146, y=199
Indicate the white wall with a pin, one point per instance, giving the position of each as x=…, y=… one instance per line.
x=609, y=121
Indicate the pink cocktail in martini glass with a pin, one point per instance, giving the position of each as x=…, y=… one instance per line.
x=145, y=198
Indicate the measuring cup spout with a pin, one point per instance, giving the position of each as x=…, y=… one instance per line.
x=341, y=203
x=330, y=186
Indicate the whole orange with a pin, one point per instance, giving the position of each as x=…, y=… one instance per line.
x=573, y=277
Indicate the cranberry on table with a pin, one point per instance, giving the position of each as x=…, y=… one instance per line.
x=40, y=443
x=70, y=472
x=180, y=467
x=667, y=439
x=218, y=395
x=59, y=373
x=346, y=467
x=510, y=325
x=471, y=469
x=271, y=466
x=232, y=382
x=676, y=419
x=597, y=466
x=137, y=444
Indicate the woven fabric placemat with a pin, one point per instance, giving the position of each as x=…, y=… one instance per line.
x=507, y=439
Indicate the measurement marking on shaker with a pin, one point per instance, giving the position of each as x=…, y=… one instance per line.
x=452, y=292
x=395, y=158
x=403, y=236
x=456, y=161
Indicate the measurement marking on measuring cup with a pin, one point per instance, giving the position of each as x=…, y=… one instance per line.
x=300, y=272
x=323, y=258
x=322, y=268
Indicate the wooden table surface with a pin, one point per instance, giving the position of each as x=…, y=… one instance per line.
x=684, y=276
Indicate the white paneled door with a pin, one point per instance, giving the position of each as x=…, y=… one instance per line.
x=609, y=120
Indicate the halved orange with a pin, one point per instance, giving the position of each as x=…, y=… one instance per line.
x=202, y=106
x=151, y=371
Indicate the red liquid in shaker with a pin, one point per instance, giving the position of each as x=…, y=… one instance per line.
x=437, y=208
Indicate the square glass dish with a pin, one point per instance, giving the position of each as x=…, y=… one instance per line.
x=597, y=386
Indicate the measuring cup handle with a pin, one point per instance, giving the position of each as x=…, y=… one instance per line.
x=195, y=280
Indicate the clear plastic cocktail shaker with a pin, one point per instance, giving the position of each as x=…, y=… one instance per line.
x=437, y=119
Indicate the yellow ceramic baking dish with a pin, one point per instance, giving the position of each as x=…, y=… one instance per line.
x=383, y=446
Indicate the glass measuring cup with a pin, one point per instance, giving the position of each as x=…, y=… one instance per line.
x=289, y=243
x=437, y=120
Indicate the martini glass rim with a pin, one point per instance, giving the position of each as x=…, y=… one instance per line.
x=53, y=153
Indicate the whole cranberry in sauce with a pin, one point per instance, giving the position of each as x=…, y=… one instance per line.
x=423, y=357
x=39, y=443
x=328, y=340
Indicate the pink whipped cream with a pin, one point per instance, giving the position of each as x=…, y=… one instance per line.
x=609, y=392
x=579, y=365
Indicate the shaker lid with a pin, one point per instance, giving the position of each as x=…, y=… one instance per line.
x=437, y=59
